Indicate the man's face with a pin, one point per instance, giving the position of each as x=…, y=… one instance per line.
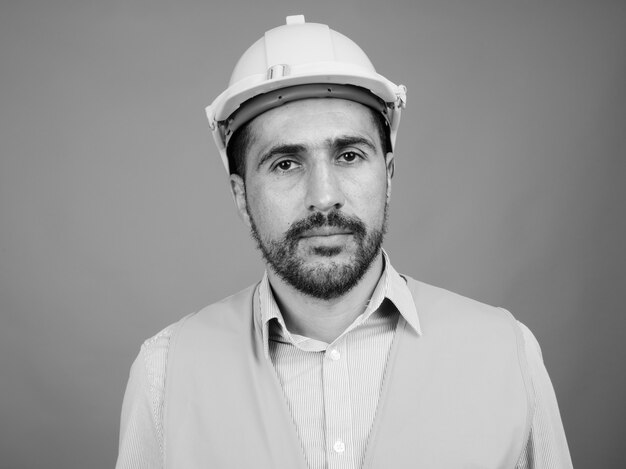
x=315, y=194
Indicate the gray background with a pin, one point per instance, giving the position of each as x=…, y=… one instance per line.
x=116, y=219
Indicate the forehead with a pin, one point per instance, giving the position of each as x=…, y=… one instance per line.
x=309, y=120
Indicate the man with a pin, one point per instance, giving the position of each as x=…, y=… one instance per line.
x=334, y=360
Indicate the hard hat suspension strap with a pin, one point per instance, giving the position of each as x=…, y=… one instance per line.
x=264, y=102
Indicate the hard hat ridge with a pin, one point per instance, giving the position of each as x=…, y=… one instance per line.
x=296, y=58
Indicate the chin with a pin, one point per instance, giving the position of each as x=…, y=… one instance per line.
x=327, y=251
x=337, y=253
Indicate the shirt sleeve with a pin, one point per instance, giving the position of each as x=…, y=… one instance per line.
x=141, y=425
x=547, y=446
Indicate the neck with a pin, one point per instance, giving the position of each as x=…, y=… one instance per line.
x=322, y=319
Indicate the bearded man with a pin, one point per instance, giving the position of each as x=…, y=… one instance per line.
x=334, y=359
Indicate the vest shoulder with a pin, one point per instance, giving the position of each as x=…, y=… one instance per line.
x=233, y=313
x=232, y=310
x=436, y=301
x=239, y=302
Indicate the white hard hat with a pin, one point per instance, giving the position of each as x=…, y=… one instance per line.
x=296, y=61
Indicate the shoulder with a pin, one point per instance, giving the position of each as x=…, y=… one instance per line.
x=217, y=316
x=434, y=304
x=218, y=325
x=225, y=311
x=150, y=367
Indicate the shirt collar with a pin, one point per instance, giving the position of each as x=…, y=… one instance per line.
x=391, y=285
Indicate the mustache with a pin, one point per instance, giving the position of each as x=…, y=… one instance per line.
x=333, y=219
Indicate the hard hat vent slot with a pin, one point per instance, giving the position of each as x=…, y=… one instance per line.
x=278, y=71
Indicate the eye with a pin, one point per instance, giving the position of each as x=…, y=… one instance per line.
x=349, y=156
x=285, y=165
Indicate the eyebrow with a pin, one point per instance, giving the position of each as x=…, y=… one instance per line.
x=341, y=142
x=281, y=149
x=334, y=143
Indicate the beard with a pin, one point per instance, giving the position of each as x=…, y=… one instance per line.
x=322, y=280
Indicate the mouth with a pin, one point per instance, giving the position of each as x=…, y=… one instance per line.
x=326, y=232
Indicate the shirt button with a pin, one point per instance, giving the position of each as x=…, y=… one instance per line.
x=339, y=446
x=334, y=355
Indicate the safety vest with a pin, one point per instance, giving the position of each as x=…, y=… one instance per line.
x=456, y=396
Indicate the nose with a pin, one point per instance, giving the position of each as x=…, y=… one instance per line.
x=324, y=190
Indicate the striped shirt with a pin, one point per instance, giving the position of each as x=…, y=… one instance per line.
x=332, y=390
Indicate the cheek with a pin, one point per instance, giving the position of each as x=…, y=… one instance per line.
x=369, y=200
x=271, y=211
x=370, y=191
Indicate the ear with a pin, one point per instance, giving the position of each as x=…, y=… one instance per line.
x=238, y=190
x=390, y=164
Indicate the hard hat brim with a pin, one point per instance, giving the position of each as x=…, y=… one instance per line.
x=259, y=104
x=238, y=93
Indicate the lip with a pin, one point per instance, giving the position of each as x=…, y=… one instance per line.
x=325, y=232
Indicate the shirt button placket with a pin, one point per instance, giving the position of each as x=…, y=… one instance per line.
x=338, y=407
x=339, y=446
